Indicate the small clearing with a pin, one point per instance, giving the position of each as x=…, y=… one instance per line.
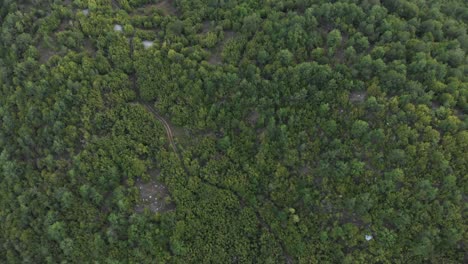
x=215, y=59
x=229, y=34
x=146, y=10
x=168, y=7
x=148, y=44
x=304, y=170
x=459, y=113
x=45, y=54
x=88, y=46
x=253, y=118
x=118, y=28
x=115, y=4
x=64, y=25
x=206, y=27
x=357, y=97
x=154, y=196
x=340, y=51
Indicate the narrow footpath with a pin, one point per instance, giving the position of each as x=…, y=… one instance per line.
x=170, y=136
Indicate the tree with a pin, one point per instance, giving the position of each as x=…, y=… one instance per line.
x=334, y=40
x=359, y=128
x=285, y=57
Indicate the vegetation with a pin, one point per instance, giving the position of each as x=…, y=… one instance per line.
x=304, y=131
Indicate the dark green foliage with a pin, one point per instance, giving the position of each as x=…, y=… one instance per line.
x=300, y=127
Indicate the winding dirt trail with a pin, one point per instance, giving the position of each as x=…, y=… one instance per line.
x=288, y=259
x=170, y=135
x=167, y=127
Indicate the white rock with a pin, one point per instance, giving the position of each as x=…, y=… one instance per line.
x=118, y=28
x=369, y=237
x=85, y=12
x=148, y=44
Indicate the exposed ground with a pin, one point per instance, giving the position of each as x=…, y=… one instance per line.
x=45, y=53
x=65, y=24
x=357, y=97
x=228, y=34
x=88, y=46
x=253, y=117
x=154, y=196
x=304, y=170
x=206, y=27
x=115, y=4
x=435, y=105
x=168, y=7
x=215, y=58
x=145, y=9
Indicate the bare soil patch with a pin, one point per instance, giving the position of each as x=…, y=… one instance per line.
x=253, y=118
x=459, y=113
x=357, y=97
x=115, y=4
x=340, y=51
x=154, y=196
x=45, y=54
x=229, y=34
x=145, y=9
x=64, y=25
x=168, y=7
x=88, y=46
x=304, y=170
x=215, y=59
x=351, y=217
x=206, y=27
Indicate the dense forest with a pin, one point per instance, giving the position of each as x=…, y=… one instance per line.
x=216, y=131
